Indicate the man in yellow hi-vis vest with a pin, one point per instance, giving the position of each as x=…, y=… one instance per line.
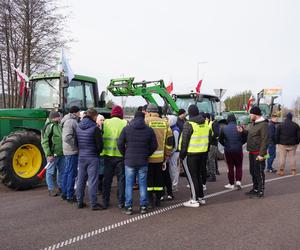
x=113, y=159
x=194, y=145
x=165, y=142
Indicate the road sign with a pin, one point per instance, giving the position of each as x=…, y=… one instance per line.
x=220, y=92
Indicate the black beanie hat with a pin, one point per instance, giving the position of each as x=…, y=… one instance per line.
x=54, y=114
x=289, y=116
x=139, y=114
x=181, y=111
x=193, y=110
x=231, y=118
x=255, y=111
x=74, y=109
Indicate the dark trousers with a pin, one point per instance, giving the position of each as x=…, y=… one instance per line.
x=272, y=153
x=257, y=169
x=234, y=161
x=195, y=169
x=167, y=180
x=88, y=171
x=155, y=181
x=113, y=166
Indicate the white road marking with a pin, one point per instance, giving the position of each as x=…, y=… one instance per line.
x=141, y=217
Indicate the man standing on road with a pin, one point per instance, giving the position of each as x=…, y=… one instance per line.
x=70, y=149
x=90, y=146
x=272, y=144
x=288, y=138
x=137, y=142
x=194, y=146
x=165, y=141
x=257, y=145
x=113, y=159
x=52, y=145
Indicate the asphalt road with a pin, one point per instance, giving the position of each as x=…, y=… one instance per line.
x=230, y=220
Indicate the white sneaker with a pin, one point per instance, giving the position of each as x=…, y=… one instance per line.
x=201, y=201
x=204, y=187
x=229, y=186
x=191, y=203
x=238, y=184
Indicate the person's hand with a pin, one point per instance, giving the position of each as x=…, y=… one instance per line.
x=260, y=158
x=239, y=129
x=50, y=158
x=164, y=166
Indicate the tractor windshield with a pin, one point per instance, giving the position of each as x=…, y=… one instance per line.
x=46, y=93
x=206, y=105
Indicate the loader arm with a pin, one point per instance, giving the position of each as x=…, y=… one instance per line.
x=145, y=89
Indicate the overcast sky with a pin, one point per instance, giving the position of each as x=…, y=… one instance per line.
x=247, y=44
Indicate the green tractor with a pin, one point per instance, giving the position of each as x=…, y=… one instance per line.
x=147, y=89
x=21, y=154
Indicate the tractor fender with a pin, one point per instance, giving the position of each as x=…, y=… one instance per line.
x=37, y=131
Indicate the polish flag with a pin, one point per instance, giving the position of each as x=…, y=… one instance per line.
x=250, y=101
x=23, y=79
x=198, y=86
x=170, y=88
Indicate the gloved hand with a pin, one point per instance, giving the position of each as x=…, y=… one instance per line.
x=164, y=166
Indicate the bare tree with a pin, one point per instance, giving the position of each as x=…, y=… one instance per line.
x=31, y=35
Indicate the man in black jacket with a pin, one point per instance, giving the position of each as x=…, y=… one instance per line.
x=288, y=137
x=257, y=145
x=136, y=143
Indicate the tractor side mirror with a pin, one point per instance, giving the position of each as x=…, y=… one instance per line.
x=102, y=99
x=65, y=83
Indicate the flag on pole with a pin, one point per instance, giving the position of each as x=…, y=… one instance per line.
x=170, y=88
x=250, y=101
x=198, y=87
x=64, y=66
x=23, y=79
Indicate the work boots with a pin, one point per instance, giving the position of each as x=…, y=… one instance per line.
x=281, y=172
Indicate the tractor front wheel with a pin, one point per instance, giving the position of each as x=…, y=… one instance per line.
x=21, y=159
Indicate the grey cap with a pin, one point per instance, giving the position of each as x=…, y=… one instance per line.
x=54, y=114
x=152, y=108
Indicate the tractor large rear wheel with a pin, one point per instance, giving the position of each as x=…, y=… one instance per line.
x=21, y=159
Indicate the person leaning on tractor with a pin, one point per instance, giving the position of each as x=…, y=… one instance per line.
x=194, y=145
x=165, y=142
x=113, y=159
x=70, y=149
x=90, y=146
x=52, y=145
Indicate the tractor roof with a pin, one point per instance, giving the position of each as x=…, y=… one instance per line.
x=213, y=97
x=57, y=75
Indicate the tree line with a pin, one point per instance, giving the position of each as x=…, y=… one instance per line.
x=31, y=35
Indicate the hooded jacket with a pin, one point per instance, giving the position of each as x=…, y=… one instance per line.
x=89, y=136
x=69, y=124
x=258, y=137
x=137, y=142
x=288, y=133
x=187, y=133
x=52, y=139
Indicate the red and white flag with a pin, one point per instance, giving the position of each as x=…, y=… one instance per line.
x=250, y=101
x=198, y=87
x=23, y=79
x=170, y=88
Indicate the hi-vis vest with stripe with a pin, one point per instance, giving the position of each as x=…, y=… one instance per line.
x=199, y=139
x=160, y=130
x=112, y=130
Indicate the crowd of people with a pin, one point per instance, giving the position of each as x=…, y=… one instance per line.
x=85, y=149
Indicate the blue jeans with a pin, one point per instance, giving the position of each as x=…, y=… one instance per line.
x=88, y=171
x=130, y=176
x=71, y=165
x=272, y=153
x=57, y=164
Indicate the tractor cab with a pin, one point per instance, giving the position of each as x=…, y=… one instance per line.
x=205, y=103
x=48, y=92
